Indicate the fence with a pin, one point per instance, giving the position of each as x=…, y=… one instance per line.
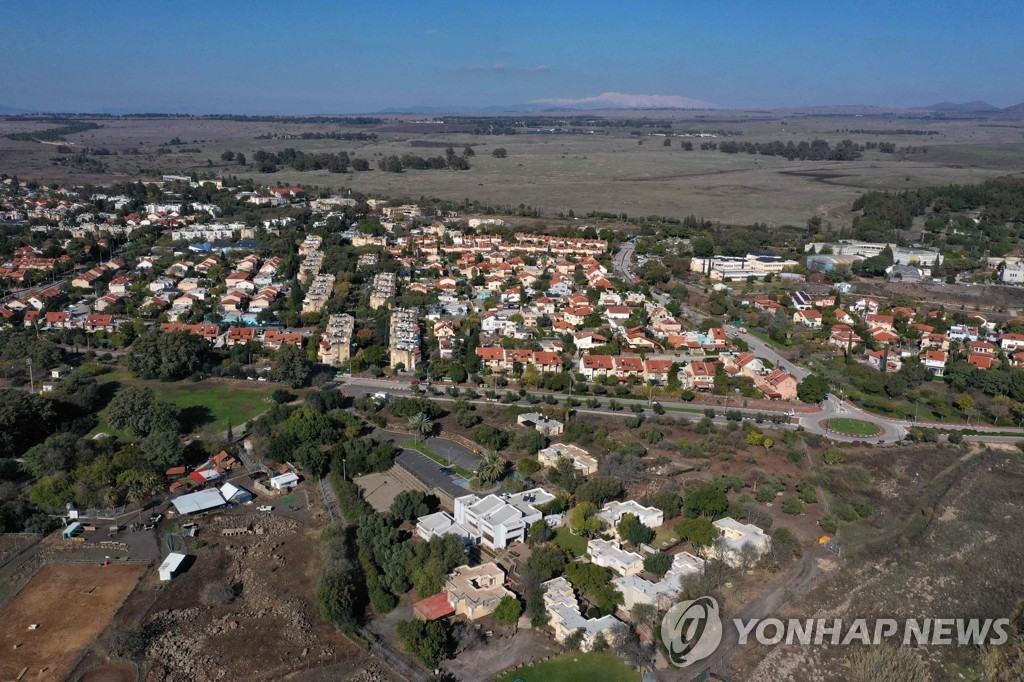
x=399, y=663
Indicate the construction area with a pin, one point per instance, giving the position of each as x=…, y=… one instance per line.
x=46, y=628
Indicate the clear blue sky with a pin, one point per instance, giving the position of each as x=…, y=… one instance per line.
x=338, y=57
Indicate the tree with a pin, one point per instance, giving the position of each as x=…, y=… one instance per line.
x=633, y=531
x=136, y=409
x=421, y=425
x=708, y=500
x=658, y=563
x=582, y=520
x=813, y=389
x=668, y=501
x=509, y=609
x=25, y=419
x=163, y=448
x=539, y=531
x=291, y=366
x=499, y=153
x=700, y=532
x=491, y=467
x=428, y=640
x=784, y=547
x=409, y=505
x=599, y=490
x=155, y=355
x=546, y=562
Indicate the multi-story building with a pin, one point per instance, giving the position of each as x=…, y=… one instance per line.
x=383, y=289
x=404, y=343
x=499, y=521
x=319, y=292
x=336, y=342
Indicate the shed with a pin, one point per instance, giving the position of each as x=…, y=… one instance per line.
x=72, y=530
x=198, y=501
x=284, y=481
x=170, y=565
x=235, y=494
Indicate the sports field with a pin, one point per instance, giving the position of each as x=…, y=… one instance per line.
x=575, y=667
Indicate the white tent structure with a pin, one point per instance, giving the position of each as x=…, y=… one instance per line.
x=170, y=565
x=199, y=501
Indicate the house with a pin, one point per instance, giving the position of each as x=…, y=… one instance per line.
x=609, y=554
x=99, y=323
x=699, y=375
x=596, y=366
x=582, y=460
x=778, y=385
x=934, y=361
x=541, y=422
x=612, y=512
x=637, y=590
x=736, y=536
x=499, y=521
x=565, y=618
x=982, y=362
x=658, y=371
x=893, y=362
x=808, y=318
x=1011, y=342
x=475, y=592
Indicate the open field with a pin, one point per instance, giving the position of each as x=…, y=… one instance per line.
x=72, y=603
x=941, y=544
x=613, y=172
x=206, y=406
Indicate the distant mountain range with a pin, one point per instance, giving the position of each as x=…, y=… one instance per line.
x=975, y=107
x=615, y=101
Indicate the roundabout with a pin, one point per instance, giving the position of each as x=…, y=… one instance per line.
x=854, y=428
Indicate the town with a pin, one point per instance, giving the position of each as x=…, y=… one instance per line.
x=558, y=431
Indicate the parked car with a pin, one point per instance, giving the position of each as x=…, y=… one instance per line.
x=265, y=508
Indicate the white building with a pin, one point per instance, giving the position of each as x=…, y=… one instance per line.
x=612, y=512
x=637, y=590
x=284, y=481
x=735, y=536
x=439, y=524
x=171, y=565
x=499, y=521
x=584, y=462
x=565, y=617
x=609, y=553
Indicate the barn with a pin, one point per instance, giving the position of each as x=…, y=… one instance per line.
x=199, y=501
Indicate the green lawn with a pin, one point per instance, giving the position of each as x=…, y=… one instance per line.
x=577, y=544
x=853, y=427
x=206, y=406
x=575, y=667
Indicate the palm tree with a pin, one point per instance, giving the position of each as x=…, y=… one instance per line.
x=491, y=467
x=421, y=425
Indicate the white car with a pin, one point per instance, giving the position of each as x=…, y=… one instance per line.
x=265, y=508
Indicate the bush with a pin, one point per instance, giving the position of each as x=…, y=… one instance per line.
x=792, y=505
x=509, y=609
x=528, y=467
x=829, y=524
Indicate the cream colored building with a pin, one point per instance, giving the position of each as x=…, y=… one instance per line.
x=475, y=592
x=336, y=342
x=584, y=462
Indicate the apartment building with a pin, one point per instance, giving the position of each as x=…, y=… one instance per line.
x=336, y=342
x=404, y=342
x=383, y=289
x=318, y=294
x=498, y=521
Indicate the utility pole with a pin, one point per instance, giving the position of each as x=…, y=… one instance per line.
x=31, y=377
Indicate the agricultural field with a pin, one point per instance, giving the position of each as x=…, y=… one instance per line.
x=619, y=172
x=71, y=604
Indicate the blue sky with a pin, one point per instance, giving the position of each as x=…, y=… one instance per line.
x=343, y=57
